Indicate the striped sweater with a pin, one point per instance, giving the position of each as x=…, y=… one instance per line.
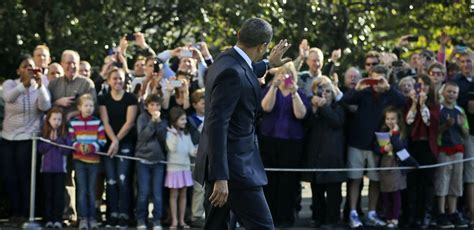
x=89, y=130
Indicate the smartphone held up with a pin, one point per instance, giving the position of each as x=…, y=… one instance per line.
x=288, y=80
x=157, y=66
x=370, y=82
x=418, y=88
x=36, y=70
x=185, y=53
x=130, y=37
x=176, y=83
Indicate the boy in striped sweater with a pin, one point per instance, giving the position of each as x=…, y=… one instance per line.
x=88, y=136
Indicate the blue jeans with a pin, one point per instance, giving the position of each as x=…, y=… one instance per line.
x=150, y=176
x=117, y=173
x=86, y=177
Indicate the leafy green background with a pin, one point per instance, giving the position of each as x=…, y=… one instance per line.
x=91, y=26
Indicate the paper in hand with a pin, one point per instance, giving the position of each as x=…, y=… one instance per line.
x=403, y=154
x=383, y=138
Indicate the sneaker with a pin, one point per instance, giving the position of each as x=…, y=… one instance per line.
x=390, y=225
x=458, y=221
x=354, y=221
x=443, y=222
x=427, y=220
x=93, y=224
x=57, y=225
x=141, y=225
x=111, y=222
x=122, y=223
x=157, y=227
x=49, y=225
x=83, y=224
x=374, y=221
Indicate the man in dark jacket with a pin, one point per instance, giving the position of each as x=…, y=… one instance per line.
x=228, y=158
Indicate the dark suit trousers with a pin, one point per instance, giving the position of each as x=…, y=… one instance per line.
x=248, y=205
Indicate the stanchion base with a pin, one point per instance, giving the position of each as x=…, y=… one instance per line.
x=31, y=225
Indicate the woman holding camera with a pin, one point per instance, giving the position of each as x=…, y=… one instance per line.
x=153, y=82
x=325, y=149
x=281, y=141
x=121, y=140
x=177, y=91
x=422, y=119
x=26, y=98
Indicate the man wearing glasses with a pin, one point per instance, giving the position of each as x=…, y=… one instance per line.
x=372, y=58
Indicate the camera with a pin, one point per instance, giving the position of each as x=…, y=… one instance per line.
x=370, y=81
x=157, y=65
x=186, y=54
x=288, y=80
x=417, y=88
x=130, y=37
x=117, y=64
x=412, y=38
x=36, y=71
x=176, y=83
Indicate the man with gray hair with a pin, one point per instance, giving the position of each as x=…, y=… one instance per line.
x=65, y=90
x=228, y=160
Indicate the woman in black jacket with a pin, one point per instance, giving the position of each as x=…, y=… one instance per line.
x=325, y=149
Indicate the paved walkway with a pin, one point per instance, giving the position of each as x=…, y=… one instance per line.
x=303, y=222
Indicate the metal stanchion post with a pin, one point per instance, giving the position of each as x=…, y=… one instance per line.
x=31, y=224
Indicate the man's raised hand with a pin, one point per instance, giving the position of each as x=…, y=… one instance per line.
x=276, y=55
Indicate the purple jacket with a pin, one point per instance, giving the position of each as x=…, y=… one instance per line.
x=54, y=157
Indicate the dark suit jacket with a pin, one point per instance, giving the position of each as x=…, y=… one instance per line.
x=228, y=147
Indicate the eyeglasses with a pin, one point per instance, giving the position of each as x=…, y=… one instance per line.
x=371, y=63
x=325, y=91
x=437, y=73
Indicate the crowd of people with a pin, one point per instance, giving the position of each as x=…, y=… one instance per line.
x=389, y=113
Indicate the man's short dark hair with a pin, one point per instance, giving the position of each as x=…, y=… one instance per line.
x=254, y=32
x=428, y=54
x=379, y=69
x=153, y=98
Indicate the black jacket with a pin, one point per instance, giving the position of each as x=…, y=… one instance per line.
x=325, y=144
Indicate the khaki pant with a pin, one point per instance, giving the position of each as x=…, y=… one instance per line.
x=197, y=206
x=448, y=179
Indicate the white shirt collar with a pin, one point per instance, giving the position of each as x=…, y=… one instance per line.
x=244, y=56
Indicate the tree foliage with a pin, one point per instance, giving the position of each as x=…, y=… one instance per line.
x=93, y=26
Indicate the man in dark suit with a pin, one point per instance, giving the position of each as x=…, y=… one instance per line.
x=228, y=160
